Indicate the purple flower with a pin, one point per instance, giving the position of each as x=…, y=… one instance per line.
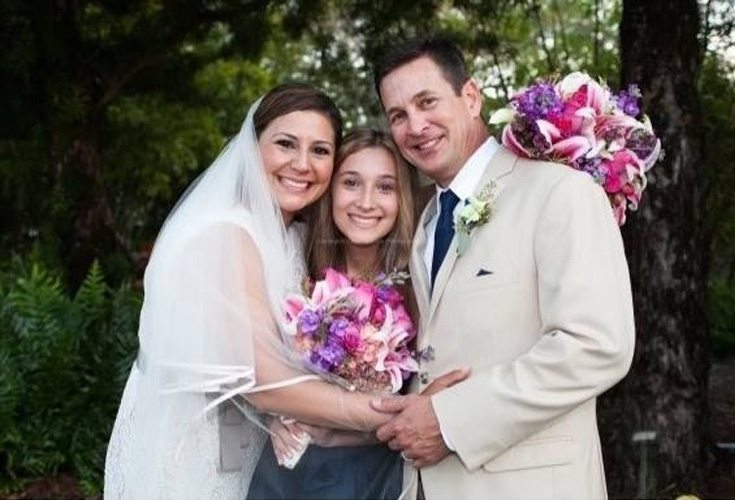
x=642, y=143
x=309, y=321
x=594, y=167
x=344, y=333
x=538, y=101
x=328, y=357
x=389, y=295
x=384, y=294
x=338, y=327
x=529, y=135
x=627, y=100
x=540, y=143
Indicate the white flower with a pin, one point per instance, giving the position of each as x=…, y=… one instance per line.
x=475, y=212
x=503, y=115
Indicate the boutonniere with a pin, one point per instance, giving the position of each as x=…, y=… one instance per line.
x=476, y=212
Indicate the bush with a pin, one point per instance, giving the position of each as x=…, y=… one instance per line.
x=63, y=364
x=723, y=317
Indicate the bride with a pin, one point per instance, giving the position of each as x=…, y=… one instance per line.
x=226, y=257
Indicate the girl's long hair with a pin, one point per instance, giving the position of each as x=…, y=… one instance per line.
x=325, y=246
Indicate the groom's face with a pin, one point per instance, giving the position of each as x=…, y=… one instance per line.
x=432, y=125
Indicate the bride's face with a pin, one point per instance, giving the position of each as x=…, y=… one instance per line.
x=298, y=154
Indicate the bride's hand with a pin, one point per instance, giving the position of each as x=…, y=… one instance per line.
x=446, y=381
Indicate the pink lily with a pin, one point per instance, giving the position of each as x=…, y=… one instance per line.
x=607, y=124
x=383, y=337
x=593, y=94
x=395, y=365
x=336, y=280
x=653, y=157
x=619, y=205
x=571, y=148
x=509, y=141
x=363, y=295
x=293, y=305
x=620, y=170
x=550, y=132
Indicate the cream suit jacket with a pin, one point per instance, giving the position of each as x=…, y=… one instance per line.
x=539, y=306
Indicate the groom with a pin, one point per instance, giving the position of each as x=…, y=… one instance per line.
x=536, y=301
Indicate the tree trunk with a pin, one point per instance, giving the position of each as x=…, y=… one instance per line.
x=85, y=230
x=94, y=233
x=667, y=246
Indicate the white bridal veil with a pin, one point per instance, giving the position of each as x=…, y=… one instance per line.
x=209, y=335
x=207, y=300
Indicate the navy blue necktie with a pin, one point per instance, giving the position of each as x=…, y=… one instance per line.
x=444, y=231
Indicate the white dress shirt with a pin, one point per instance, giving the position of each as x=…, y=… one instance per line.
x=463, y=185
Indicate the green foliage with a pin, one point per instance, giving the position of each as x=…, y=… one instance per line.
x=63, y=362
x=102, y=123
x=513, y=43
x=153, y=149
x=717, y=90
x=723, y=317
x=229, y=86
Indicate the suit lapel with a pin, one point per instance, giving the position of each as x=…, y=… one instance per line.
x=419, y=275
x=500, y=165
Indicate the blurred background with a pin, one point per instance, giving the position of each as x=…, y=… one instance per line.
x=109, y=109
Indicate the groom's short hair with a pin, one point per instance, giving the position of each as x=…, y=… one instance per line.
x=441, y=50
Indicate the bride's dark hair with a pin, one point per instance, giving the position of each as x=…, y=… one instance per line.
x=290, y=97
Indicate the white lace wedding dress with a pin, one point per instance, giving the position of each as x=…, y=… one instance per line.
x=180, y=457
x=218, y=273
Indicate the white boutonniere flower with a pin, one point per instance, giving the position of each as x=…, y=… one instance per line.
x=476, y=212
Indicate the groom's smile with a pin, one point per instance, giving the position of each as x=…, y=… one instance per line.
x=429, y=147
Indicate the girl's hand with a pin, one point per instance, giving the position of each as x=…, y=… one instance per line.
x=289, y=440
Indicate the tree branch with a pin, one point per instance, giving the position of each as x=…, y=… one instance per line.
x=535, y=10
x=157, y=51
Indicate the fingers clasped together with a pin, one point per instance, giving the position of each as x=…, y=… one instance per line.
x=415, y=428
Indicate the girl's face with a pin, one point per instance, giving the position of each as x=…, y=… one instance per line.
x=298, y=154
x=365, y=196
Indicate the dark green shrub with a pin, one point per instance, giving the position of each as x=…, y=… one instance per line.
x=723, y=317
x=63, y=363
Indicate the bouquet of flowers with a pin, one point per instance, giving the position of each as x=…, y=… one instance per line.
x=353, y=332
x=579, y=122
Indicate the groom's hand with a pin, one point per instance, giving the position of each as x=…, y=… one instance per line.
x=415, y=429
x=446, y=381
